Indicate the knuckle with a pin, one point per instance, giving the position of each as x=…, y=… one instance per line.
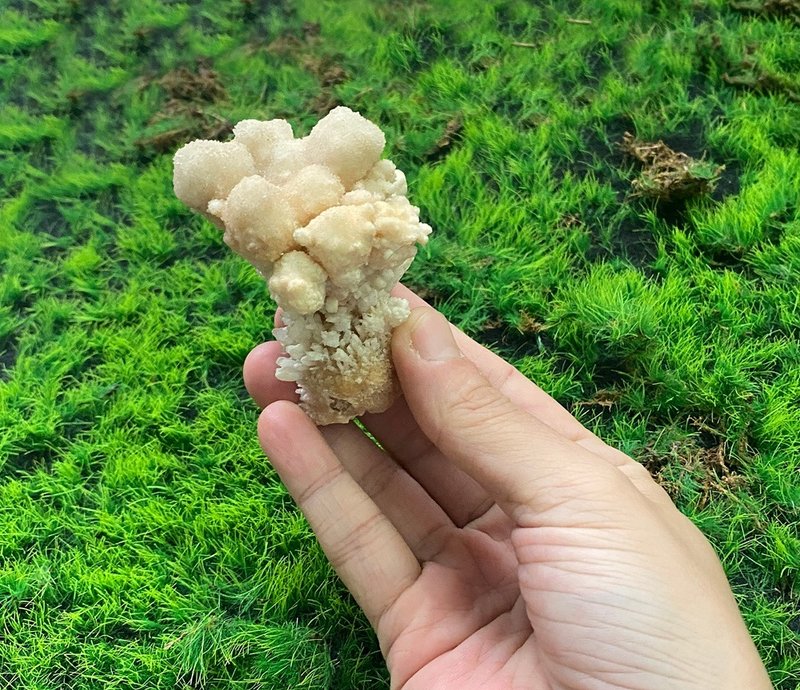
x=379, y=478
x=355, y=543
x=316, y=485
x=475, y=400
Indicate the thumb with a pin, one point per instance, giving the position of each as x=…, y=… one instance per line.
x=524, y=465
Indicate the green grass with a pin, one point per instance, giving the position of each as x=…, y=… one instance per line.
x=144, y=540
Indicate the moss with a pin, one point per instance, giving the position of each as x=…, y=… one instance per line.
x=144, y=541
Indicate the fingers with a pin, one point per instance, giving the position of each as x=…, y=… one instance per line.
x=365, y=549
x=422, y=523
x=524, y=394
x=522, y=462
x=528, y=396
x=259, y=376
x=459, y=495
x=521, y=390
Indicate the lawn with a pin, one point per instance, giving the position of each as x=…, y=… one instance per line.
x=145, y=542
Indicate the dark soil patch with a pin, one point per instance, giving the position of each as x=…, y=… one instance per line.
x=748, y=74
x=191, y=93
x=630, y=242
x=788, y=9
x=430, y=40
x=182, y=228
x=221, y=375
x=8, y=357
x=511, y=343
x=708, y=50
x=669, y=176
x=45, y=217
x=600, y=147
x=731, y=259
x=144, y=39
x=620, y=235
x=450, y=135
x=483, y=59
x=81, y=107
x=703, y=14
x=710, y=465
x=609, y=373
x=81, y=24
x=601, y=62
x=511, y=106
x=729, y=182
x=29, y=461
x=699, y=88
x=76, y=11
x=511, y=21
x=613, y=234
x=23, y=90
x=249, y=10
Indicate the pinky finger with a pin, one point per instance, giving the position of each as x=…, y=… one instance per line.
x=365, y=549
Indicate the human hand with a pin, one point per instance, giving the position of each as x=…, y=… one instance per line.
x=497, y=543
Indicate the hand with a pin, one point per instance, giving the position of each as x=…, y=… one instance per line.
x=495, y=542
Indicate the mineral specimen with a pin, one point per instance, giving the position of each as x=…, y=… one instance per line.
x=327, y=223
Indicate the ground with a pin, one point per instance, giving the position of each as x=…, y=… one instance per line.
x=144, y=540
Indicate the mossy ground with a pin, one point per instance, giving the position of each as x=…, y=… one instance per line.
x=144, y=540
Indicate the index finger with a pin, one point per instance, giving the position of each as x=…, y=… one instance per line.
x=509, y=380
x=524, y=464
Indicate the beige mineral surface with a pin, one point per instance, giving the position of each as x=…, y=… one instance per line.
x=327, y=223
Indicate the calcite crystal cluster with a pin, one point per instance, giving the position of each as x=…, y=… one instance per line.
x=327, y=223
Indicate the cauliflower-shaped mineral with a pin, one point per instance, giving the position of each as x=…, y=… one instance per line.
x=328, y=225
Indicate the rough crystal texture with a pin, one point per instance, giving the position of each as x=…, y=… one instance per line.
x=328, y=225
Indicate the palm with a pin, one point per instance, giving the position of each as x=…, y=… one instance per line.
x=465, y=617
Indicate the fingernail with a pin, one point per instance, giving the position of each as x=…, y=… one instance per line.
x=431, y=336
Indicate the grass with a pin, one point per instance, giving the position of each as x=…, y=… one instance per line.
x=144, y=540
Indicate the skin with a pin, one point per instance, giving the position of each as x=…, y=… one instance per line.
x=495, y=542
